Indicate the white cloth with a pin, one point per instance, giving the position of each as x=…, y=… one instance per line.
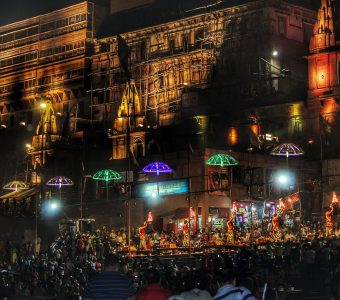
x=230, y=292
x=194, y=294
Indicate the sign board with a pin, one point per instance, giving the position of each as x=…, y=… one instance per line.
x=162, y=188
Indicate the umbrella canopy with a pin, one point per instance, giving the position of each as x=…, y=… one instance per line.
x=60, y=181
x=16, y=185
x=106, y=175
x=157, y=167
x=287, y=149
x=221, y=160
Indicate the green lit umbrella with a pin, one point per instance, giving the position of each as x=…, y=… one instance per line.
x=222, y=160
x=16, y=185
x=106, y=175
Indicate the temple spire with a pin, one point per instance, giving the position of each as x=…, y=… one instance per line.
x=323, y=33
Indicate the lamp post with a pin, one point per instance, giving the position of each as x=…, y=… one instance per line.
x=60, y=181
x=158, y=167
x=287, y=150
x=223, y=160
x=106, y=175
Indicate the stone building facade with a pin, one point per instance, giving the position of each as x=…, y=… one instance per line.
x=227, y=77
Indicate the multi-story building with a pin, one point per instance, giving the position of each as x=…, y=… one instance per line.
x=204, y=81
x=46, y=58
x=209, y=79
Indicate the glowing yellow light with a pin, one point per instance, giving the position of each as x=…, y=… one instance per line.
x=295, y=110
x=3, y=126
x=43, y=105
x=28, y=146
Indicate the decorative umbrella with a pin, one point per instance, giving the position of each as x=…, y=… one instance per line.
x=287, y=149
x=16, y=185
x=221, y=160
x=60, y=181
x=157, y=167
x=106, y=175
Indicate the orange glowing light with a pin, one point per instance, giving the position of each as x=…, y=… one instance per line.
x=232, y=136
x=255, y=129
x=330, y=106
x=281, y=204
x=150, y=217
x=335, y=198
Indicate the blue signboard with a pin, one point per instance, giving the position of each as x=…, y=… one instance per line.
x=162, y=188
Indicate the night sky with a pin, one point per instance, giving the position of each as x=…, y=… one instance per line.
x=17, y=10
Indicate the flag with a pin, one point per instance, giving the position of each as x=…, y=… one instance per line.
x=124, y=55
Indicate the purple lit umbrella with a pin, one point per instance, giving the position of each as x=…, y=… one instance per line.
x=157, y=167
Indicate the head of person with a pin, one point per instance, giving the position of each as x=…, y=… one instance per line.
x=111, y=262
x=226, y=276
x=152, y=276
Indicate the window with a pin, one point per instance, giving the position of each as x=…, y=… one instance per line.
x=282, y=26
x=297, y=126
x=142, y=50
x=72, y=20
x=7, y=38
x=185, y=43
x=172, y=46
x=199, y=34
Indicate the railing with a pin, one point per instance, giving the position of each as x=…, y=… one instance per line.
x=180, y=251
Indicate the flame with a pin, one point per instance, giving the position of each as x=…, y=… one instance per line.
x=335, y=198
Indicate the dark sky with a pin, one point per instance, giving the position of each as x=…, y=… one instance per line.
x=17, y=10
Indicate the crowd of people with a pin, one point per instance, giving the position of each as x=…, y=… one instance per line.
x=64, y=268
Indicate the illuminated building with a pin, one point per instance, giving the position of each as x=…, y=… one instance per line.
x=227, y=77
x=192, y=75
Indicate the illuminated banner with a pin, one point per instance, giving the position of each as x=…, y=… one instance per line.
x=162, y=188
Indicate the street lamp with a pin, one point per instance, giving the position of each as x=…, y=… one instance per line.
x=106, y=175
x=60, y=181
x=287, y=150
x=51, y=207
x=157, y=167
x=223, y=160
